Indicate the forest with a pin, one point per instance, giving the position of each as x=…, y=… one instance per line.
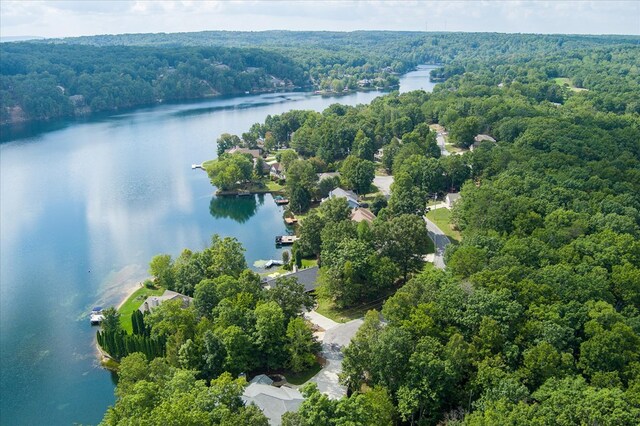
x=47, y=79
x=534, y=321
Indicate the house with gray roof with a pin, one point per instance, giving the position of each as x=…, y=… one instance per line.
x=153, y=302
x=272, y=401
x=308, y=277
x=351, y=196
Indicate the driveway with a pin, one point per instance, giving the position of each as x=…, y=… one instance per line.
x=440, y=140
x=440, y=241
x=383, y=183
x=334, y=339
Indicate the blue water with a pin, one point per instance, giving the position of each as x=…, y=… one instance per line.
x=84, y=205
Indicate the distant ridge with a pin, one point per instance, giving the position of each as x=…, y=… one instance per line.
x=9, y=39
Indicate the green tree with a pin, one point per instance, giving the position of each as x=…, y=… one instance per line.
x=357, y=173
x=301, y=345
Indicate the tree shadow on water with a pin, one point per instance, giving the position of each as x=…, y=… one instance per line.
x=239, y=209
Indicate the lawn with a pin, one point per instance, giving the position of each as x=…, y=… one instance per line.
x=132, y=303
x=273, y=186
x=304, y=376
x=328, y=309
x=442, y=218
x=564, y=81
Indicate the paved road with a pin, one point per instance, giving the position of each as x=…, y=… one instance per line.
x=441, y=142
x=440, y=240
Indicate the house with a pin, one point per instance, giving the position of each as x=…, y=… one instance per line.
x=272, y=401
x=478, y=139
x=361, y=214
x=255, y=153
x=328, y=175
x=351, y=196
x=153, y=302
x=307, y=277
x=277, y=170
x=451, y=199
x=266, y=168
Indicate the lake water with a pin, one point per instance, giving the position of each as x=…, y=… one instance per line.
x=84, y=206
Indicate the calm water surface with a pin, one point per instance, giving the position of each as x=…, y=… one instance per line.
x=84, y=206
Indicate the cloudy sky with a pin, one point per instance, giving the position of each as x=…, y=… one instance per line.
x=87, y=17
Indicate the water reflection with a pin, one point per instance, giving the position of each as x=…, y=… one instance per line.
x=240, y=209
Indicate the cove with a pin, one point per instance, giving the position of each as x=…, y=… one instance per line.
x=85, y=205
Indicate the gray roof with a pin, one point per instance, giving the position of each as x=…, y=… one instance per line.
x=328, y=175
x=343, y=193
x=262, y=379
x=307, y=277
x=152, y=302
x=273, y=401
x=453, y=196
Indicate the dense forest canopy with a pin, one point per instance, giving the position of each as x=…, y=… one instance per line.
x=536, y=318
x=64, y=77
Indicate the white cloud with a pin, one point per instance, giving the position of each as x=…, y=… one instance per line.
x=72, y=18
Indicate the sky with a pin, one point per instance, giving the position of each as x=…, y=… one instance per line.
x=88, y=17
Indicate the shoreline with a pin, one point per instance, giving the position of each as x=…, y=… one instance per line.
x=129, y=293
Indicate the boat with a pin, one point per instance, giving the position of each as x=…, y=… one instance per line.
x=285, y=240
x=197, y=166
x=96, y=317
x=280, y=200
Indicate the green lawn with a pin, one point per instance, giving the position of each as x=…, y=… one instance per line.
x=564, y=81
x=133, y=302
x=273, y=186
x=304, y=376
x=442, y=218
x=328, y=309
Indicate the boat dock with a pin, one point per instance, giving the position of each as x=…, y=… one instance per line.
x=290, y=220
x=286, y=240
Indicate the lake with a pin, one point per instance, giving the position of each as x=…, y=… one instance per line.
x=84, y=206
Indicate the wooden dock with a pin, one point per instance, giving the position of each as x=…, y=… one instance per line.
x=290, y=220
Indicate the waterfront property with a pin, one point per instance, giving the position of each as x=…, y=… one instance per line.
x=351, y=196
x=307, y=277
x=255, y=153
x=153, y=302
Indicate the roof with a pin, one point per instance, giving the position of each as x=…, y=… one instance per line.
x=255, y=153
x=154, y=301
x=277, y=166
x=351, y=196
x=307, y=277
x=361, y=214
x=480, y=138
x=273, y=401
x=262, y=379
x=453, y=196
x=328, y=175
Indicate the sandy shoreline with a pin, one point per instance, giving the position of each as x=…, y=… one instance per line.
x=132, y=290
